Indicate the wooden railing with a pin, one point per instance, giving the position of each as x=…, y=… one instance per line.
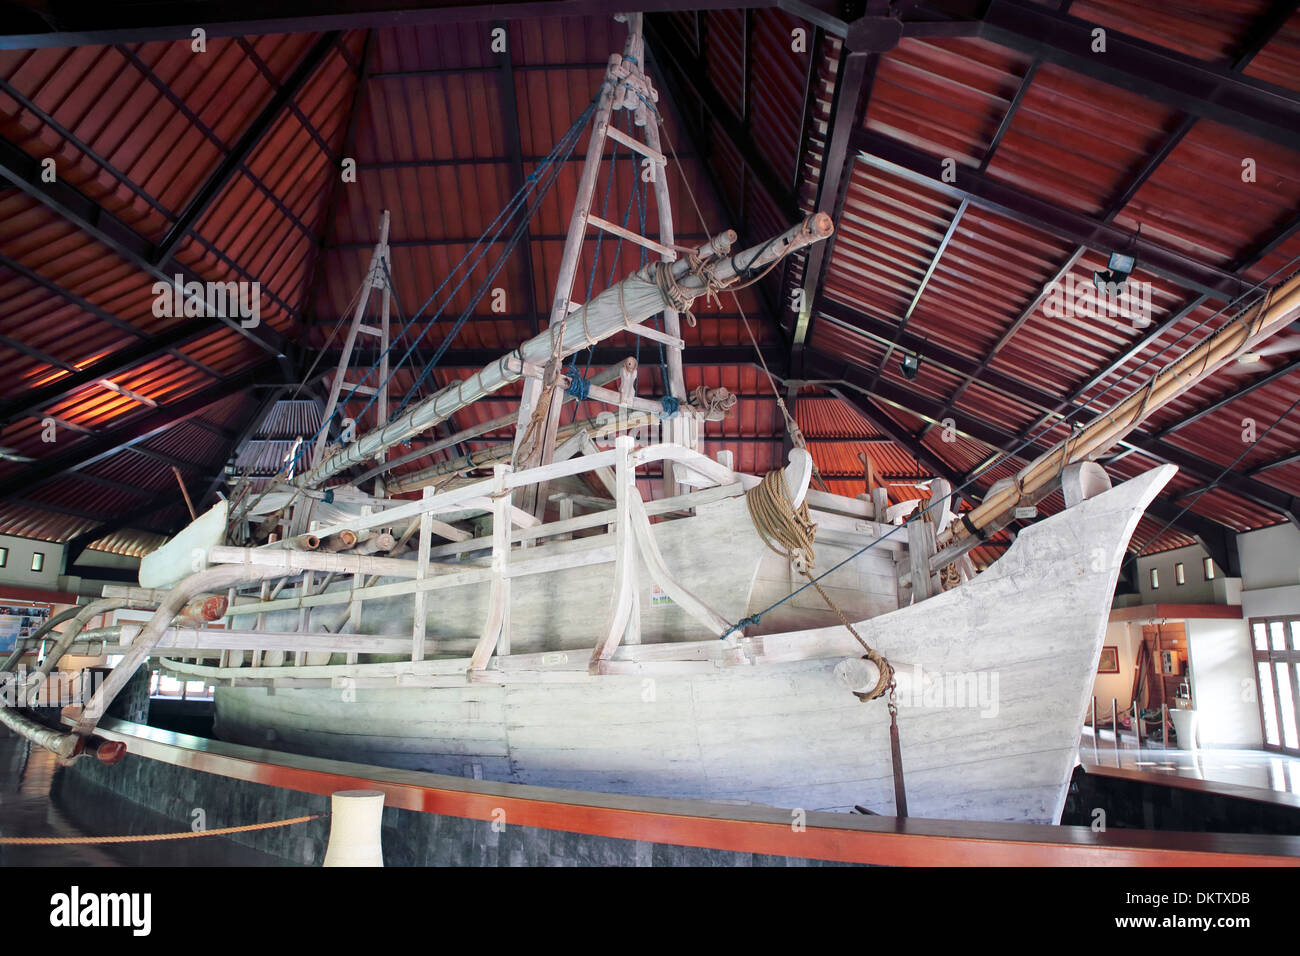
x=514, y=553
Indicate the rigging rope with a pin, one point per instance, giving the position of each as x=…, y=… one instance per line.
x=792, y=428
x=546, y=173
x=799, y=441
x=790, y=532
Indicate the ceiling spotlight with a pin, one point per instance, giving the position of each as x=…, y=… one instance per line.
x=1119, y=268
x=910, y=365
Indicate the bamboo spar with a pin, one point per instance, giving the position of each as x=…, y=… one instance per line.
x=1278, y=309
x=624, y=304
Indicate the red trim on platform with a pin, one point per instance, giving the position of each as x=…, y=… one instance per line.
x=827, y=836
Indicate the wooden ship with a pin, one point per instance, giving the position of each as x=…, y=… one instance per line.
x=530, y=617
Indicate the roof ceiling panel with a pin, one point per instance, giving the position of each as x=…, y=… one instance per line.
x=148, y=124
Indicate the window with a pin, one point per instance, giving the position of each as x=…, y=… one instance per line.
x=1207, y=566
x=1180, y=575
x=1155, y=578
x=1277, y=676
x=4, y=557
x=38, y=560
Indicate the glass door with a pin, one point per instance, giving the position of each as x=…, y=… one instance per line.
x=1276, y=645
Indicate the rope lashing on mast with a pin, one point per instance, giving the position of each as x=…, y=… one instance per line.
x=712, y=403
x=578, y=386
x=791, y=533
x=673, y=293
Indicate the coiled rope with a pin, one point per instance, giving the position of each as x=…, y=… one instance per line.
x=153, y=837
x=677, y=295
x=790, y=532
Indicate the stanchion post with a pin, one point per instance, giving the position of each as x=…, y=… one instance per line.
x=356, y=828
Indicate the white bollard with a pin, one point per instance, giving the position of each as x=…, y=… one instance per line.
x=356, y=828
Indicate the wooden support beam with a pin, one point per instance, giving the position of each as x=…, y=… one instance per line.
x=623, y=622
x=852, y=90
x=920, y=549
x=892, y=155
x=422, y=572
x=496, y=629
x=257, y=130
x=135, y=429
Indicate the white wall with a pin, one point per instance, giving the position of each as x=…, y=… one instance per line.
x=1126, y=636
x=18, y=566
x=1196, y=590
x=17, y=571
x=1270, y=571
x=1223, y=683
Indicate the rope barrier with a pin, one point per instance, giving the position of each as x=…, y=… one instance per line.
x=154, y=837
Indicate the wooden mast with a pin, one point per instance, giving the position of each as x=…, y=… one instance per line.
x=374, y=278
x=622, y=306
x=625, y=86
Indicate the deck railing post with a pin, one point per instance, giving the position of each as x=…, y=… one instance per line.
x=356, y=828
x=496, y=629
x=422, y=571
x=623, y=624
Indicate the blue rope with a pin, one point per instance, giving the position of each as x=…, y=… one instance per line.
x=670, y=404
x=578, y=386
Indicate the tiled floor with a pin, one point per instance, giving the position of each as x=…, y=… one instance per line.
x=1248, y=768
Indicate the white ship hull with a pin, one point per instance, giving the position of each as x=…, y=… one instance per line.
x=994, y=677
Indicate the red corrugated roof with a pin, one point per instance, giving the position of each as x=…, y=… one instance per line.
x=141, y=128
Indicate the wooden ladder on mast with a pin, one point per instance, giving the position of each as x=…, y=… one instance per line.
x=625, y=86
x=376, y=279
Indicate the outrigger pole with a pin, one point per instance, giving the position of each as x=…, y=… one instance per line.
x=1276, y=310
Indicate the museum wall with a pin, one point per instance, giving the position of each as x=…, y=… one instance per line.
x=1223, y=683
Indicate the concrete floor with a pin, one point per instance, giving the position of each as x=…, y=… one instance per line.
x=30, y=807
x=1248, y=768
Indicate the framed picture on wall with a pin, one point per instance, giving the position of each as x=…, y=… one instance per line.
x=1109, y=663
x=18, y=621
